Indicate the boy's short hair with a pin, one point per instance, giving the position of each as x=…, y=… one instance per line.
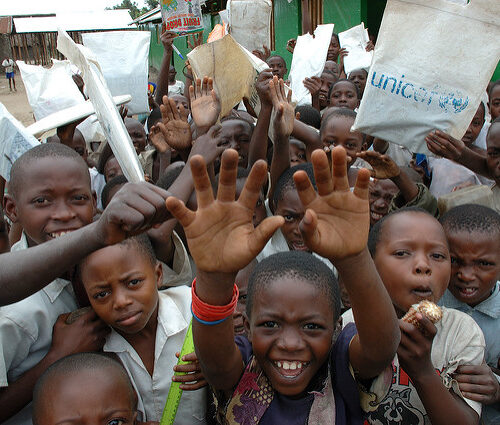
x=472, y=218
x=106, y=153
x=297, y=265
x=492, y=86
x=285, y=181
x=238, y=118
x=44, y=150
x=276, y=56
x=77, y=363
x=143, y=244
x=376, y=230
x=115, y=181
x=336, y=112
x=309, y=115
x=356, y=88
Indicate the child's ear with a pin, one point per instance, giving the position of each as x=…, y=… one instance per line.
x=9, y=206
x=246, y=324
x=159, y=275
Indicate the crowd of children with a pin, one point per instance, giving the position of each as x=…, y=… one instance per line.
x=295, y=256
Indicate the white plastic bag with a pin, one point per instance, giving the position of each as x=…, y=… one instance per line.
x=431, y=65
x=107, y=114
x=51, y=89
x=250, y=22
x=15, y=141
x=123, y=58
x=354, y=40
x=309, y=57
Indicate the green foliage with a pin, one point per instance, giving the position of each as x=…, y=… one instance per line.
x=133, y=7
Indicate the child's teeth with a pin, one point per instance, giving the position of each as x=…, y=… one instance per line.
x=279, y=364
x=286, y=365
x=293, y=365
x=299, y=365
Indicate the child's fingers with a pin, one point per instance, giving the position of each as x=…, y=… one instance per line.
x=191, y=376
x=190, y=357
x=339, y=169
x=289, y=96
x=282, y=89
x=183, y=113
x=361, y=188
x=198, y=88
x=192, y=95
x=305, y=189
x=180, y=211
x=322, y=174
x=204, y=88
x=187, y=368
x=253, y=186
x=307, y=227
x=174, y=110
x=193, y=387
x=215, y=98
x=227, y=177
x=202, y=185
x=263, y=232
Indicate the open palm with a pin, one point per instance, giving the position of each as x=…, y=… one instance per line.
x=337, y=221
x=220, y=233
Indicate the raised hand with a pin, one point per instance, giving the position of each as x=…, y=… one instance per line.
x=157, y=135
x=313, y=84
x=290, y=45
x=285, y=113
x=262, y=55
x=208, y=145
x=220, y=233
x=444, y=145
x=195, y=40
x=167, y=39
x=337, y=221
x=205, y=105
x=262, y=86
x=177, y=129
x=383, y=165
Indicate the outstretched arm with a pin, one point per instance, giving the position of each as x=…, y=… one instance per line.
x=222, y=240
x=336, y=226
x=167, y=39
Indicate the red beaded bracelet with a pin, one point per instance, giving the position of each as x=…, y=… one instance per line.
x=212, y=314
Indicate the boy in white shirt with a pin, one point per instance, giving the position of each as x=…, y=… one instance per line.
x=8, y=63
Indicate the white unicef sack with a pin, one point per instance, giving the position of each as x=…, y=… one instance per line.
x=431, y=65
x=123, y=58
x=51, y=89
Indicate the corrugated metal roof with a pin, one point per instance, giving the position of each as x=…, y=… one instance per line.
x=82, y=21
x=5, y=24
x=149, y=17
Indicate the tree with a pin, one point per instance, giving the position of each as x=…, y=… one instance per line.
x=151, y=4
x=131, y=6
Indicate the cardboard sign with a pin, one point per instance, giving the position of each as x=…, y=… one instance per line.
x=181, y=16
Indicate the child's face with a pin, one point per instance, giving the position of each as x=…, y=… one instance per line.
x=259, y=213
x=493, y=152
x=291, y=209
x=235, y=134
x=88, y=398
x=327, y=80
x=333, y=67
x=344, y=95
x=474, y=128
x=291, y=330
x=494, y=102
x=297, y=152
x=79, y=146
x=413, y=259
x=381, y=194
x=337, y=132
x=333, y=50
x=278, y=66
x=180, y=100
x=121, y=284
x=475, y=265
x=358, y=77
x=112, y=169
x=55, y=199
x=137, y=134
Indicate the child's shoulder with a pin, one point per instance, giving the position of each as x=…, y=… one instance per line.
x=176, y=300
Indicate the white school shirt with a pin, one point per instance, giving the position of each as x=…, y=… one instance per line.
x=174, y=314
x=26, y=331
x=180, y=273
x=176, y=88
x=459, y=341
x=9, y=65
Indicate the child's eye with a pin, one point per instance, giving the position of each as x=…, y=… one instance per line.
x=270, y=324
x=485, y=263
x=242, y=298
x=438, y=256
x=134, y=282
x=288, y=218
x=40, y=200
x=401, y=253
x=117, y=422
x=312, y=326
x=101, y=295
x=81, y=197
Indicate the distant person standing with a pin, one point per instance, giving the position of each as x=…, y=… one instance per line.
x=8, y=63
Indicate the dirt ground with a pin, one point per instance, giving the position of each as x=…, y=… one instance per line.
x=16, y=102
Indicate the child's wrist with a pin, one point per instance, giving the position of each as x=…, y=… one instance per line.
x=352, y=261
